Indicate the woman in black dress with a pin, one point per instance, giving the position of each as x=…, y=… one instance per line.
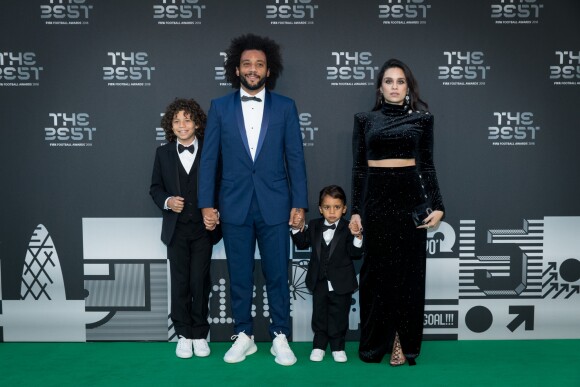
x=393, y=174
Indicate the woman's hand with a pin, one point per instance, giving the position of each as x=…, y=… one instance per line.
x=355, y=225
x=432, y=220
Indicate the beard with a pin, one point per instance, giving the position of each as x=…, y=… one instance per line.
x=257, y=86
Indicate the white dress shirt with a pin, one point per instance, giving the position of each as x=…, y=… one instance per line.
x=329, y=234
x=187, y=158
x=253, y=112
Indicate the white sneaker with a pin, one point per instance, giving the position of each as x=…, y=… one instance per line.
x=242, y=347
x=200, y=348
x=282, y=351
x=183, y=349
x=317, y=354
x=339, y=356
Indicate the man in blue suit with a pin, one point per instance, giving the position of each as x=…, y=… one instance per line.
x=255, y=136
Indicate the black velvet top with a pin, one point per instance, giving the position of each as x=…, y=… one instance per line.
x=394, y=132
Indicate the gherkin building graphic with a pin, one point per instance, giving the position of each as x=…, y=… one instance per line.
x=41, y=274
x=43, y=312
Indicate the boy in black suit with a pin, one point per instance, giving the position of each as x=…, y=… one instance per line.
x=331, y=276
x=189, y=244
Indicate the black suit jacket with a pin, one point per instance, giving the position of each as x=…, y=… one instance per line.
x=165, y=183
x=340, y=270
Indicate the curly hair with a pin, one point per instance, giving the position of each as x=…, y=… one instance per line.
x=415, y=102
x=253, y=42
x=190, y=108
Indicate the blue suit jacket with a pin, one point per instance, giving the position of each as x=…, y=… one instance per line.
x=278, y=173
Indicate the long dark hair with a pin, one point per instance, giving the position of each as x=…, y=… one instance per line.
x=415, y=102
x=253, y=42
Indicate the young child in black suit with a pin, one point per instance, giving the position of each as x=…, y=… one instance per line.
x=189, y=244
x=331, y=276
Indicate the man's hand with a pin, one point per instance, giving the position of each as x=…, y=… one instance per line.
x=211, y=218
x=297, y=219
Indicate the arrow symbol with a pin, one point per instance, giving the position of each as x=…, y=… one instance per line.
x=551, y=266
x=525, y=315
x=564, y=288
x=575, y=289
x=554, y=286
x=552, y=277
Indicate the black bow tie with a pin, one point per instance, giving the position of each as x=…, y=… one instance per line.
x=331, y=227
x=246, y=98
x=181, y=148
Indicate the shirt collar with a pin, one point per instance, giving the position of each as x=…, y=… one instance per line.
x=330, y=224
x=194, y=142
x=261, y=94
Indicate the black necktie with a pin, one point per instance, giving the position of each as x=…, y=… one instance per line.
x=181, y=148
x=246, y=98
x=331, y=227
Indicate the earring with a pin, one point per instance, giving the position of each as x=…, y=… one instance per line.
x=407, y=101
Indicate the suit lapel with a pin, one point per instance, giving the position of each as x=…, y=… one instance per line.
x=338, y=234
x=265, y=121
x=196, y=161
x=174, y=164
x=240, y=119
x=318, y=237
x=198, y=154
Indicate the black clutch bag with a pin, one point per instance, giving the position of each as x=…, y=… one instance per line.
x=421, y=212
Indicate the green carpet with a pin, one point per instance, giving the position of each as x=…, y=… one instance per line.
x=442, y=363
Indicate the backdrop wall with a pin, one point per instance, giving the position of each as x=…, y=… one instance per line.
x=83, y=84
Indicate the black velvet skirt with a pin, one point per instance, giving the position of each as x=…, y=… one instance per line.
x=392, y=278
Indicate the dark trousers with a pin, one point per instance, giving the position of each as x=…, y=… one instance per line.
x=329, y=317
x=274, y=245
x=189, y=256
x=392, y=277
